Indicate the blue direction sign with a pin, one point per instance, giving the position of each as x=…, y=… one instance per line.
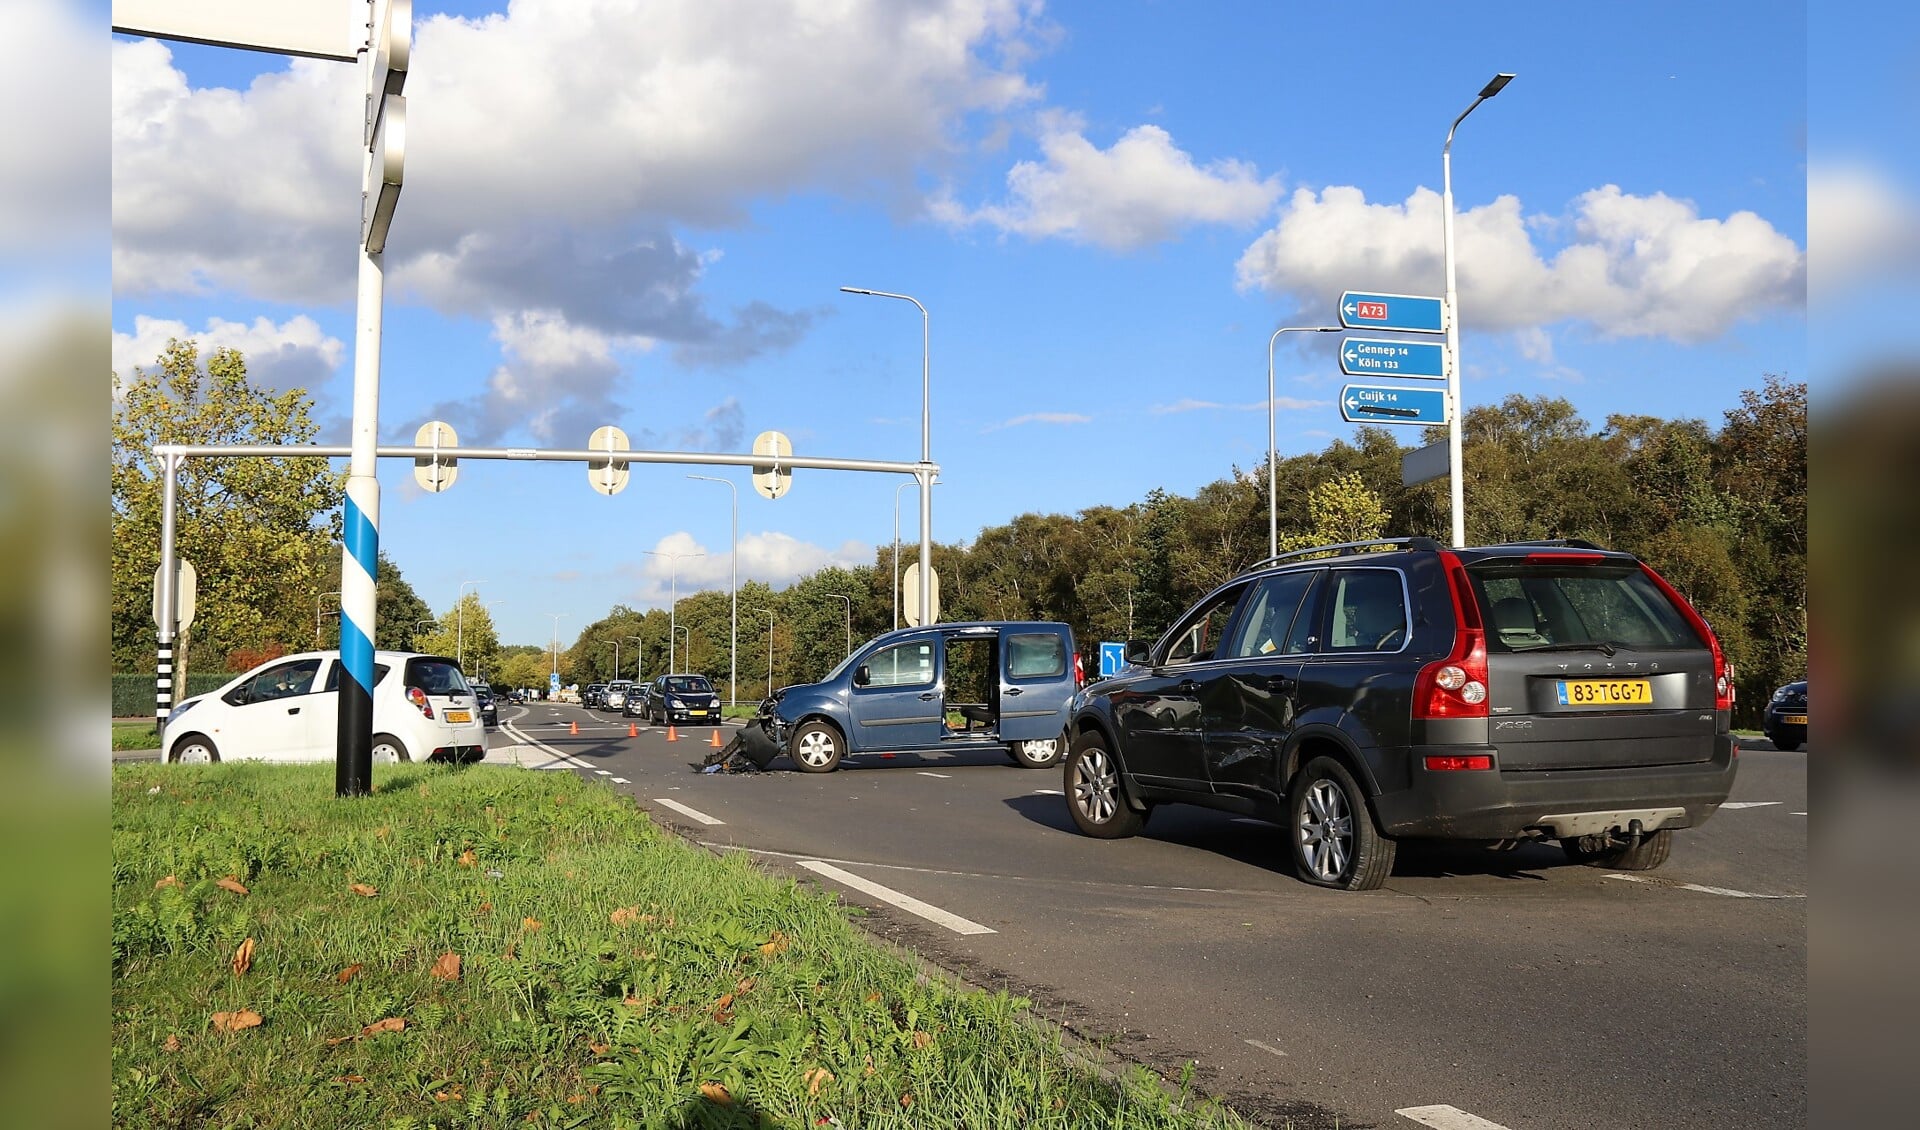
x=1113, y=656
x=1377, y=357
x=1384, y=404
x=1408, y=313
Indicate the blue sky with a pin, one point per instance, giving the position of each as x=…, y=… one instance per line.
x=640, y=215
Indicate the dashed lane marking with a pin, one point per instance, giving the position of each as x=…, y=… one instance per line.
x=942, y=776
x=1048, y=792
x=621, y=781
x=560, y=760
x=604, y=772
x=1048, y=879
x=1447, y=1118
x=686, y=810
x=1748, y=803
x=1266, y=1047
x=892, y=897
x=1724, y=892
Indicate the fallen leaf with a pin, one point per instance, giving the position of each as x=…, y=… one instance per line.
x=169, y=881
x=347, y=973
x=715, y=1093
x=634, y=1002
x=777, y=944
x=594, y=1089
x=243, y=958
x=745, y=984
x=363, y=890
x=599, y=1049
x=906, y=1101
x=447, y=968
x=576, y=1100
x=390, y=1024
x=625, y=916
x=172, y=1044
x=467, y=858
x=922, y=1039
x=236, y=1021
x=232, y=884
x=871, y=997
x=452, y=1096
x=530, y=925
x=870, y=1068
x=816, y=1079
x=351, y=1078
x=484, y=908
x=723, y=1004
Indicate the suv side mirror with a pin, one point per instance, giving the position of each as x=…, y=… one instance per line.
x=862, y=676
x=1137, y=651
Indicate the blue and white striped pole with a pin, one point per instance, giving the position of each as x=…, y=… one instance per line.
x=360, y=556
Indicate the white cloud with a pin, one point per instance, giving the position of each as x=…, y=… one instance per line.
x=1040, y=418
x=1631, y=266
x=1141, y=191
x=294, y=354
x=775, y=559
x=552, y=189
x=1860, y=224
x=57, y=186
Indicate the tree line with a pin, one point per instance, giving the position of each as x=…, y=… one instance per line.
x=1719, y=510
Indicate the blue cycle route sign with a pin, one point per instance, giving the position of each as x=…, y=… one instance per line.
x=553, y=684
x=1384, y=404
x=1113, y=656
x=1407, y=313
x=1378, y=357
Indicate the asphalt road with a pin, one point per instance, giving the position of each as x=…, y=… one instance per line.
x=1514, y=987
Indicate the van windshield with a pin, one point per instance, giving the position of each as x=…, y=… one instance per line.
x=689, y=684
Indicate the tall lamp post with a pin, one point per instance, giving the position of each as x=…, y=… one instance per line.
x=637, y=652
x=459, y=625
x=673, y=596
x=1273, y=476
x=769, y=613
x=556, y=640
x=416, y=629
x=686, y=653
x=924, y=476
x=1456, y=461
x=849, y=600
x=733, y=586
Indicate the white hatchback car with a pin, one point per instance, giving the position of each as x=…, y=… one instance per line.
x=288, y=709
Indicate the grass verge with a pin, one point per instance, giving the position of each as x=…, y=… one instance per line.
x=496, y=947
x=135, y=735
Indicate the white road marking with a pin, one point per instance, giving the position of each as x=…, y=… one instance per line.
x=1447, y=1118
x=560, y=760
x=942, y=776
x=1049, y=879
x=1266, y=1047
x=1723, y=891
x=1748, y=803
x=621, y=781
x=1796, y=814
x=1048, y=792
x=892, y=897
x=686, y=811
x=604, y=772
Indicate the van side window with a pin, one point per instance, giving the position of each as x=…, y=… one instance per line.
x=1034, y=655
x=904, y=665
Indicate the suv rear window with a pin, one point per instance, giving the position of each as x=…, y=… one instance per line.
x=1540, y=604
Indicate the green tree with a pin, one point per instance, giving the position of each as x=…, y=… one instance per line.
x=1341, y=509
x=259, y=532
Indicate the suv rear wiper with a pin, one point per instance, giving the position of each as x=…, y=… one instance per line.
x=1605, y=647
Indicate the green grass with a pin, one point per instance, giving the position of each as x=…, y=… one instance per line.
x=135, y=735
x=565, y=1013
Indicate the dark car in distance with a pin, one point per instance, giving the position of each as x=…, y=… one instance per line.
x=489, y=703
x=683, y=698
x=1786, y=722
x=1366, y=693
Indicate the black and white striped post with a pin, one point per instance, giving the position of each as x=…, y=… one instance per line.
x=166, y=601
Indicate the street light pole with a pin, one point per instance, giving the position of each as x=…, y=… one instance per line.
x=637, y=653
x=1456, y=461
x=1273, y=475
x=769, y=613
x=686, y=653
x=416, y=629
x=556, y=640
x=459, y=626
x=924, y=476
x=733, y=587
x=673, y=596
x=849, y=600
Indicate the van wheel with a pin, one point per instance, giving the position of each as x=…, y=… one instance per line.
x=389, y=750
x=1039, y=754
x=195, y=749
x=1334, y=841
x=816, y=748
x=1642, y=853
x=1095, y=798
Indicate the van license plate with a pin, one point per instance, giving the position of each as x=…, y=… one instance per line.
x=1605, y=692
x=459, y=716
x=696, y=714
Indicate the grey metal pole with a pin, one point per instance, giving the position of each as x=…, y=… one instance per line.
x=896, y=551
x=1273, y=476
x=926, y=470
x=163, y=696
x=849, y=600
x=733, y=588
x=769, y=613
x=637, y=652
x=1456, y=459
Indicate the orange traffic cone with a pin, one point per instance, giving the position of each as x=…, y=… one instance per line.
x=576, y=728
x=714, y=740
x=633, y=730
x=672, y=734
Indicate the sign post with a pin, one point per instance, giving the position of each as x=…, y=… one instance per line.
x=1381, y=357
x=1406, y=313
x=1385, y=404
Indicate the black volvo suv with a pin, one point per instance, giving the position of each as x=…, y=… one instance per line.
x=1365, y=693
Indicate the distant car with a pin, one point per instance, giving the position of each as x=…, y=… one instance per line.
x=638, y=697
x=489, y=703
x=288, y=709
x=1786, y=724
x=590, y=697
x=615, y=696
x=683, y=698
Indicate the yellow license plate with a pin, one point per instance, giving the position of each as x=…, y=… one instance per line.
x=459, y=716
x=1605, y=692
x=1794, y=719
x=697, y=713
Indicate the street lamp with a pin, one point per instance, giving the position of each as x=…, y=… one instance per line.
x=317, y=619
x=849, y=600
x=1273, y=477
x=1456, y=461
x=673, y=596
x=416, y=629
x=769, y=613
x=556, y=641
x=637, y=653
x=459, y=625
x=686, y=653
x=733, y=586
x=924, y=476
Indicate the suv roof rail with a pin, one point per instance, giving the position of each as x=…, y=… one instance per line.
x=1342, y=549
x=1570, y=543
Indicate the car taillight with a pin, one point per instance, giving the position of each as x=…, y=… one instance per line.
x=1079, y=671
x=1450, y=762
x=418, y=697
x=1723, y=690
x=1456, y=687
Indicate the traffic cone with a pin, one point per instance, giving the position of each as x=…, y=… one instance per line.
x=633, y=730
x=673, y=735
x=576, y=729
x=714, y=739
